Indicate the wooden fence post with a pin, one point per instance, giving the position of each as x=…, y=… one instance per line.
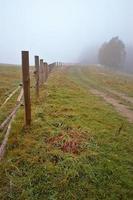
x=44, y=75
x=41, y=71
x=44, y=64
x=47, y=71
x=37, y=75
x=26, y=86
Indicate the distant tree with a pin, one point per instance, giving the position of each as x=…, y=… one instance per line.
x=113, y=53
x=129, y=59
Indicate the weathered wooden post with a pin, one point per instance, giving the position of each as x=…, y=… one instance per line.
x=47, y=71
x=26, y=86
x=37, y=75
x=41, y=71
x=45, y=75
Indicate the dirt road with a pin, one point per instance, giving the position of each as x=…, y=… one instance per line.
x=121, y=108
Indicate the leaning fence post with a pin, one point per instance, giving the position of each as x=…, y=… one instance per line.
x=37, y=75
x=26, y=86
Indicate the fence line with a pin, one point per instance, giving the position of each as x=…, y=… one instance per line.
x=42, y=71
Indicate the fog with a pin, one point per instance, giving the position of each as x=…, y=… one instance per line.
x=62, y=30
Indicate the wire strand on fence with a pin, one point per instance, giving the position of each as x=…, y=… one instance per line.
x=13, y=111
x=10, y=96
x=12, y=116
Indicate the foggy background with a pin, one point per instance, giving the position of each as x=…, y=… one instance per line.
x=63, y=30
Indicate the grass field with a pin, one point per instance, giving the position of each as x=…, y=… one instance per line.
x=9, y=81
x=79, y=147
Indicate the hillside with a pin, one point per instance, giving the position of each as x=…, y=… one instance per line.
x=79, y=145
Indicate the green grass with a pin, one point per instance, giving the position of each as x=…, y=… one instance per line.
x=9, y=80
x=38, y=165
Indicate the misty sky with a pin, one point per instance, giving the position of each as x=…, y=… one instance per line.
x=61, y=29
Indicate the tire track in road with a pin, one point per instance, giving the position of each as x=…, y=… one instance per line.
x=122, y=109
x=121, y=95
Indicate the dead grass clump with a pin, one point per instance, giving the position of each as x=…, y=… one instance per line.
x=68, y=142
